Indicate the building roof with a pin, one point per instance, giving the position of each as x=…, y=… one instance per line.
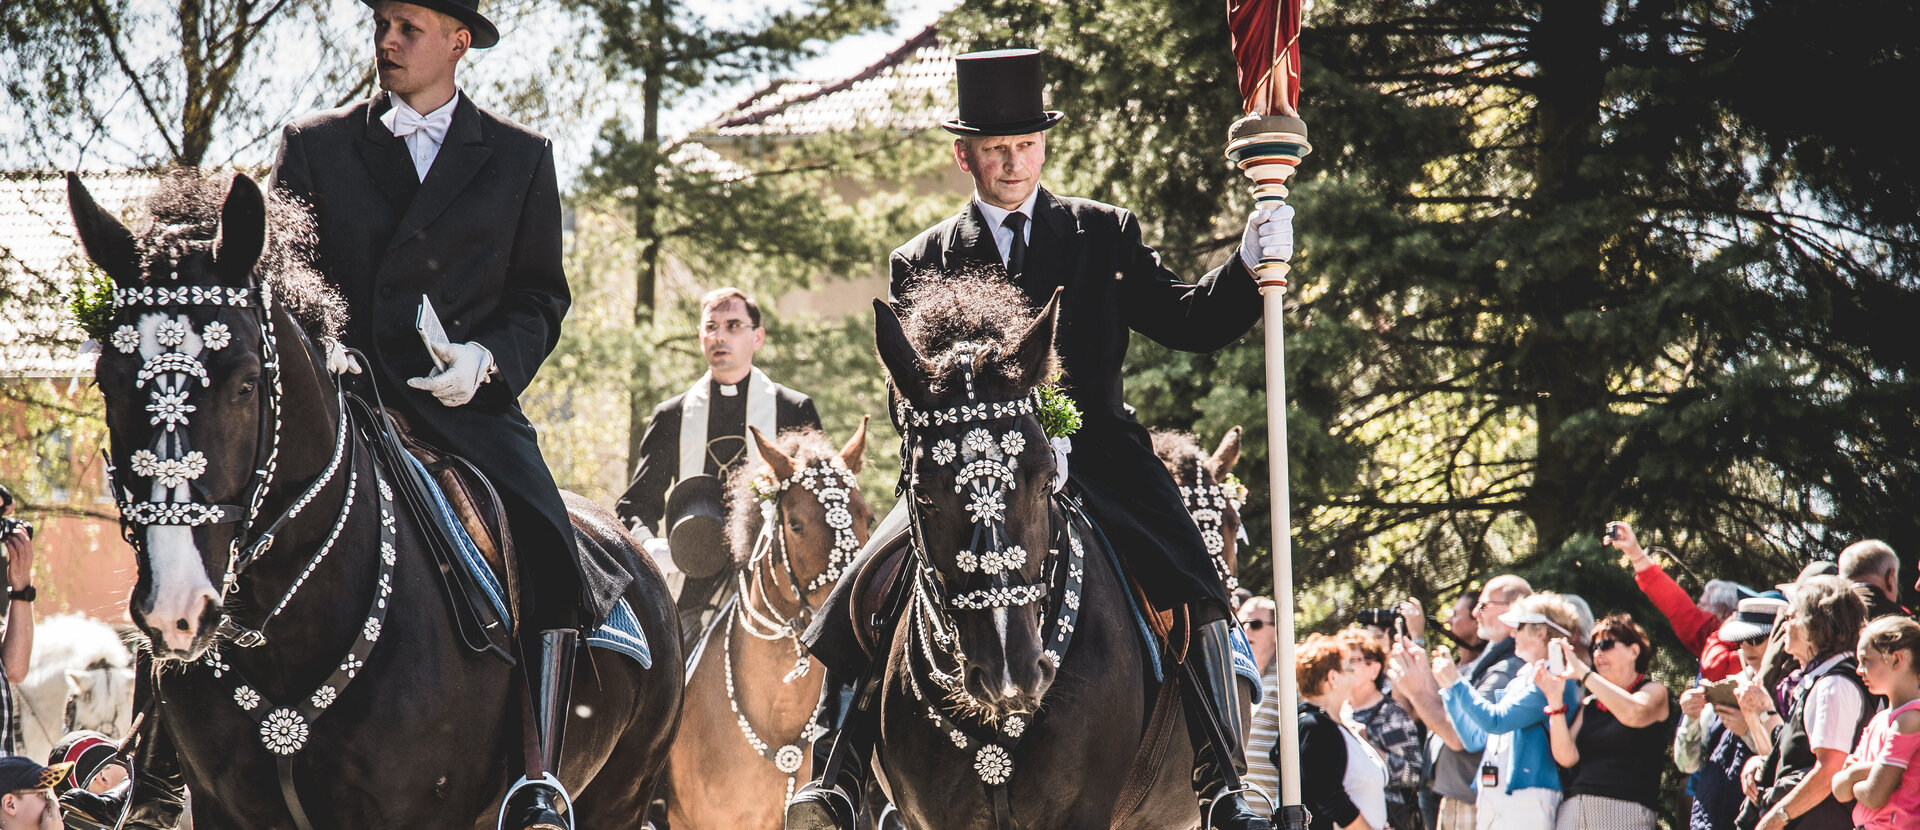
x=910, y=89
x=41, y=262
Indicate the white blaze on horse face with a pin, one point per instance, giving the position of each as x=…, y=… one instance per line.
x=181, y=591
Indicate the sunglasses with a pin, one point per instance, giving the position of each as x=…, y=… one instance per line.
x=1604, y=643
x=1255, y=624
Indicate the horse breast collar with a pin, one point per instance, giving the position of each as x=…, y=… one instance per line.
x=984, y=466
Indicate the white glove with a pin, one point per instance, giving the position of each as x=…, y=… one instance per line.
x=1269, y=233
x=339, y=360
x=656, y=547
x=467, y=365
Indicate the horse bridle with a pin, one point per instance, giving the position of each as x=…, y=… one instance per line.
x=1207, y=504
x=175, y=466
x=984, y=469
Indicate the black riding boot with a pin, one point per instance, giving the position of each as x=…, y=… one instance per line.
x=832, y=800
x=1212, y=712
x=539, y=805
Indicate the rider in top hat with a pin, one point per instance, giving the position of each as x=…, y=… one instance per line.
x=695, y=439
x=428, y=204
x=1112, y=283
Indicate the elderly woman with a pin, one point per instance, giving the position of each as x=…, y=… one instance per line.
x=1828, y=706
x=1617, y=744
x=1386, y=726
x=1342, y=780
x=1519, y=785
x=1715, y=740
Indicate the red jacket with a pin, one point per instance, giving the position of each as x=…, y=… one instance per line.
x=1699, y=631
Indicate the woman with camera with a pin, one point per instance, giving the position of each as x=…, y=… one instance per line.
x=1385, y=725
x=16, y=642
x=1617, y=743
x=1519, y=785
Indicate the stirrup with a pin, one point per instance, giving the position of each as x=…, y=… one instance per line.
x=833, y=808
x=546, y=781
x=1245, y=787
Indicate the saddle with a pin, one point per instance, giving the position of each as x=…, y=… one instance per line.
x=471, y=501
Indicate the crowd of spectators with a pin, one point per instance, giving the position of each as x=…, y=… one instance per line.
x=1525, y=712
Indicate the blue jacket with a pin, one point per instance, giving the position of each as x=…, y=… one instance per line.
x=1521, y=710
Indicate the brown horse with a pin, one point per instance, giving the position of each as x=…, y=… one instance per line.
x=1212, y=498
x=751, y=691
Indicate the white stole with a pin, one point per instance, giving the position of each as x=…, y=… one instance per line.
x=763, y=397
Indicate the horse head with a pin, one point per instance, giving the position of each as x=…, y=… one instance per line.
x=965, y=365
x=800, y=519
x=192, y=376
x=1209, y=493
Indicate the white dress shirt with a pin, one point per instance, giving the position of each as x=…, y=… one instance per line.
x=996, y=221
x=423, y=133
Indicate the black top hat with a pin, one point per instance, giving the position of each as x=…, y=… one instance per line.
x=1000, y=94
x=465, y=11
x=696, y=522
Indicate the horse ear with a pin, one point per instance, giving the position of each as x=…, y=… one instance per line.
x=109, y=244
x=1035, y=354
x=780, y=463
x=78, y=682
x=853, y=455
x=243, y=233
x=902, y=361
x=1228, y=454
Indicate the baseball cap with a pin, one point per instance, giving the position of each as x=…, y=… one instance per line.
x=18, y=772
x=1818, y=567
x=87, y=752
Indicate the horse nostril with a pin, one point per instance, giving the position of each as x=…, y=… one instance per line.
x=183, y=625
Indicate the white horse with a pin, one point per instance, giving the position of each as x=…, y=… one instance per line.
x=81, y=677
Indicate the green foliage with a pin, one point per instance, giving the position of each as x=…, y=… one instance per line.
x=1059, y=415
x=92, y=304
x=1557, y=265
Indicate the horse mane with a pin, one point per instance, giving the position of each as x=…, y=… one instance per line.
x=976, y=306
x=1182, y=454
x=185, y=207
x=806, y=446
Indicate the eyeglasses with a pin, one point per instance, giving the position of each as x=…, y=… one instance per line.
x=731, y=326
x=1603, y=644
x=1255, y=624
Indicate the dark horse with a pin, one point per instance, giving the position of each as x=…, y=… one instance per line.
x=1212, y=497
x=796, y=521
x=306, y=659
x=1018, y=691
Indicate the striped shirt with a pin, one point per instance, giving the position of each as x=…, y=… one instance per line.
x=1265, y=733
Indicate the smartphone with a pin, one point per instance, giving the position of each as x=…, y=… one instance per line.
x=1721, y=693
x=1400, y=627
x=1613, y=532
x=1557, y=658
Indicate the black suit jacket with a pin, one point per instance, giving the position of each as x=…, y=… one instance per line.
x=1114, y=283
x=646, y=498
x=481, y=237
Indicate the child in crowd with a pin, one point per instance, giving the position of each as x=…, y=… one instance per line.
x=1876, y=775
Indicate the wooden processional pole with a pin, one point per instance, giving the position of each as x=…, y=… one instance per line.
x=1266, y=145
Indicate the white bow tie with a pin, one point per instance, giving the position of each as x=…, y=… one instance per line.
x=433, y=127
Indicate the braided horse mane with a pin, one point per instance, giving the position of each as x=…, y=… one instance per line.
x=974, y=306
x=807, y=447
x=184, y=211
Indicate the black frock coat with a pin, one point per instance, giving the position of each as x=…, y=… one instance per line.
x=645, y=501
x=1114, y=283
x=481, y=237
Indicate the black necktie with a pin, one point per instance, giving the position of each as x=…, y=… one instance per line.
x=1017, y=252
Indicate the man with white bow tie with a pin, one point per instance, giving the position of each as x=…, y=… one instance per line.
x=427, y=204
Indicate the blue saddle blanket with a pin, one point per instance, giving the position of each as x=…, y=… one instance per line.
x=621, y=632
x=1243, y=664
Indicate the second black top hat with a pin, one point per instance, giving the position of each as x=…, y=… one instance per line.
x=1000, y=94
